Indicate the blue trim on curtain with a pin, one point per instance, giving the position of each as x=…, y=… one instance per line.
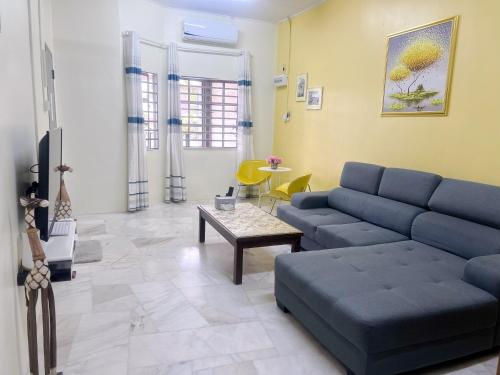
x=174, y=121
x=244, y=82
x=133, y=70
x=135, y=120
x=245, y=124
x=173, y=77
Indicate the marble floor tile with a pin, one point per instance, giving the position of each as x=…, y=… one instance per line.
x=113, y=298
x=73, y=297
x=118, y=276
x=186, y=279
x=240, y=368
x=299, y=364
x=106, y=361
x=148, y=242
x=160, y=303
x=67, y=327
x=287, y=334
x=188, y=345
x=167, y=307
x=177, y=369
x=98, y=332
x=221, y=304
x=149, y=350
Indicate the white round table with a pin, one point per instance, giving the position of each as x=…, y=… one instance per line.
x=277, y=171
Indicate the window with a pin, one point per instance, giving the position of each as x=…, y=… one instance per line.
x=150, y=109
x=209, y=111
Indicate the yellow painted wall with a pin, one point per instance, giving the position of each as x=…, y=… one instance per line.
x=342, y=45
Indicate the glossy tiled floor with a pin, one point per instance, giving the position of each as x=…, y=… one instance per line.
x=160, y=303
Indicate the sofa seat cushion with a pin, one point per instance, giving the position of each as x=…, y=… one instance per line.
x=308, y=220
x=388, y=296
x=355, y=234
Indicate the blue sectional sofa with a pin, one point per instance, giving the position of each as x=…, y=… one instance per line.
x=407, y=273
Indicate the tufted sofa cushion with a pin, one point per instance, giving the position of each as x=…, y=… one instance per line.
x=388, y=296
x=308, y=220
x=355, y=234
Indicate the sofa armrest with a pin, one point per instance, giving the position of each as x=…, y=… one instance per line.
x=484, y=272
x=304, y=201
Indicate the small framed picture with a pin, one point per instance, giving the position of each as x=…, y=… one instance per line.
x=301, y=90
x=314, y=98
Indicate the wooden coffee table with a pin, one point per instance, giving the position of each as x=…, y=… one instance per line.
x=246, y=227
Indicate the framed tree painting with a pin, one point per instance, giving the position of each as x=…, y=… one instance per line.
x=419, y=66
x=301, y=89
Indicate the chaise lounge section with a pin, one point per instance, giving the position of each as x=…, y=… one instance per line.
x=413, y=274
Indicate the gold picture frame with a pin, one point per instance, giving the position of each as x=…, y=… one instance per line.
x=419, y=68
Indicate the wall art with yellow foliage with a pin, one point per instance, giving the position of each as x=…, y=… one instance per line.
x=418, y=69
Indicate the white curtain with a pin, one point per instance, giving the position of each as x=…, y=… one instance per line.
x=245, y=124
x=137, y=172
x=175, y=178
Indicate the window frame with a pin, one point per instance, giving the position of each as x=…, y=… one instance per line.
x=151, y=128
x=205, y=106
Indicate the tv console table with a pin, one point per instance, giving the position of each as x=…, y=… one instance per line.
x=59, y=251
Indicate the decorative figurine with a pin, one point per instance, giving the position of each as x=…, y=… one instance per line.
x=39, y=278
x=63, y=203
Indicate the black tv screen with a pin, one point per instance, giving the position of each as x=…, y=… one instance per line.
x=49, y=180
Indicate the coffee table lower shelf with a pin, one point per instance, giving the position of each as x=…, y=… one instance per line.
x=248, y=242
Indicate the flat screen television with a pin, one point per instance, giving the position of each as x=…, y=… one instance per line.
x=49, y=180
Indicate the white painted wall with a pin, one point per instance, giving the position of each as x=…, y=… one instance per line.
x=89, y=91
x=41, y=34
x=17, y=154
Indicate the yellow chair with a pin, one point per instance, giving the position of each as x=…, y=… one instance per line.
x=249, y=174
x=285, y=191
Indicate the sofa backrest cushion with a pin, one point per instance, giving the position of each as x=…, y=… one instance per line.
x=468, y=200
x=361, y=177
x=390, y=214
x=377, y=210
x=348, y=201
x=408, y=186
x=460, y=237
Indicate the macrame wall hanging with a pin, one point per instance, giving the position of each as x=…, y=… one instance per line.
x=38, y=284
x=63, y=203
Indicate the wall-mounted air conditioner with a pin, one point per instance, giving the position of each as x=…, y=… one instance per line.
x=212, y=32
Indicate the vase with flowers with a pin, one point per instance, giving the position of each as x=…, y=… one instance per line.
x=274, y=161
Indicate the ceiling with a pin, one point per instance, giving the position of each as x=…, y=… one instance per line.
x=267, y=10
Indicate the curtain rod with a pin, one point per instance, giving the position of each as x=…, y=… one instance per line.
x=189, y=49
